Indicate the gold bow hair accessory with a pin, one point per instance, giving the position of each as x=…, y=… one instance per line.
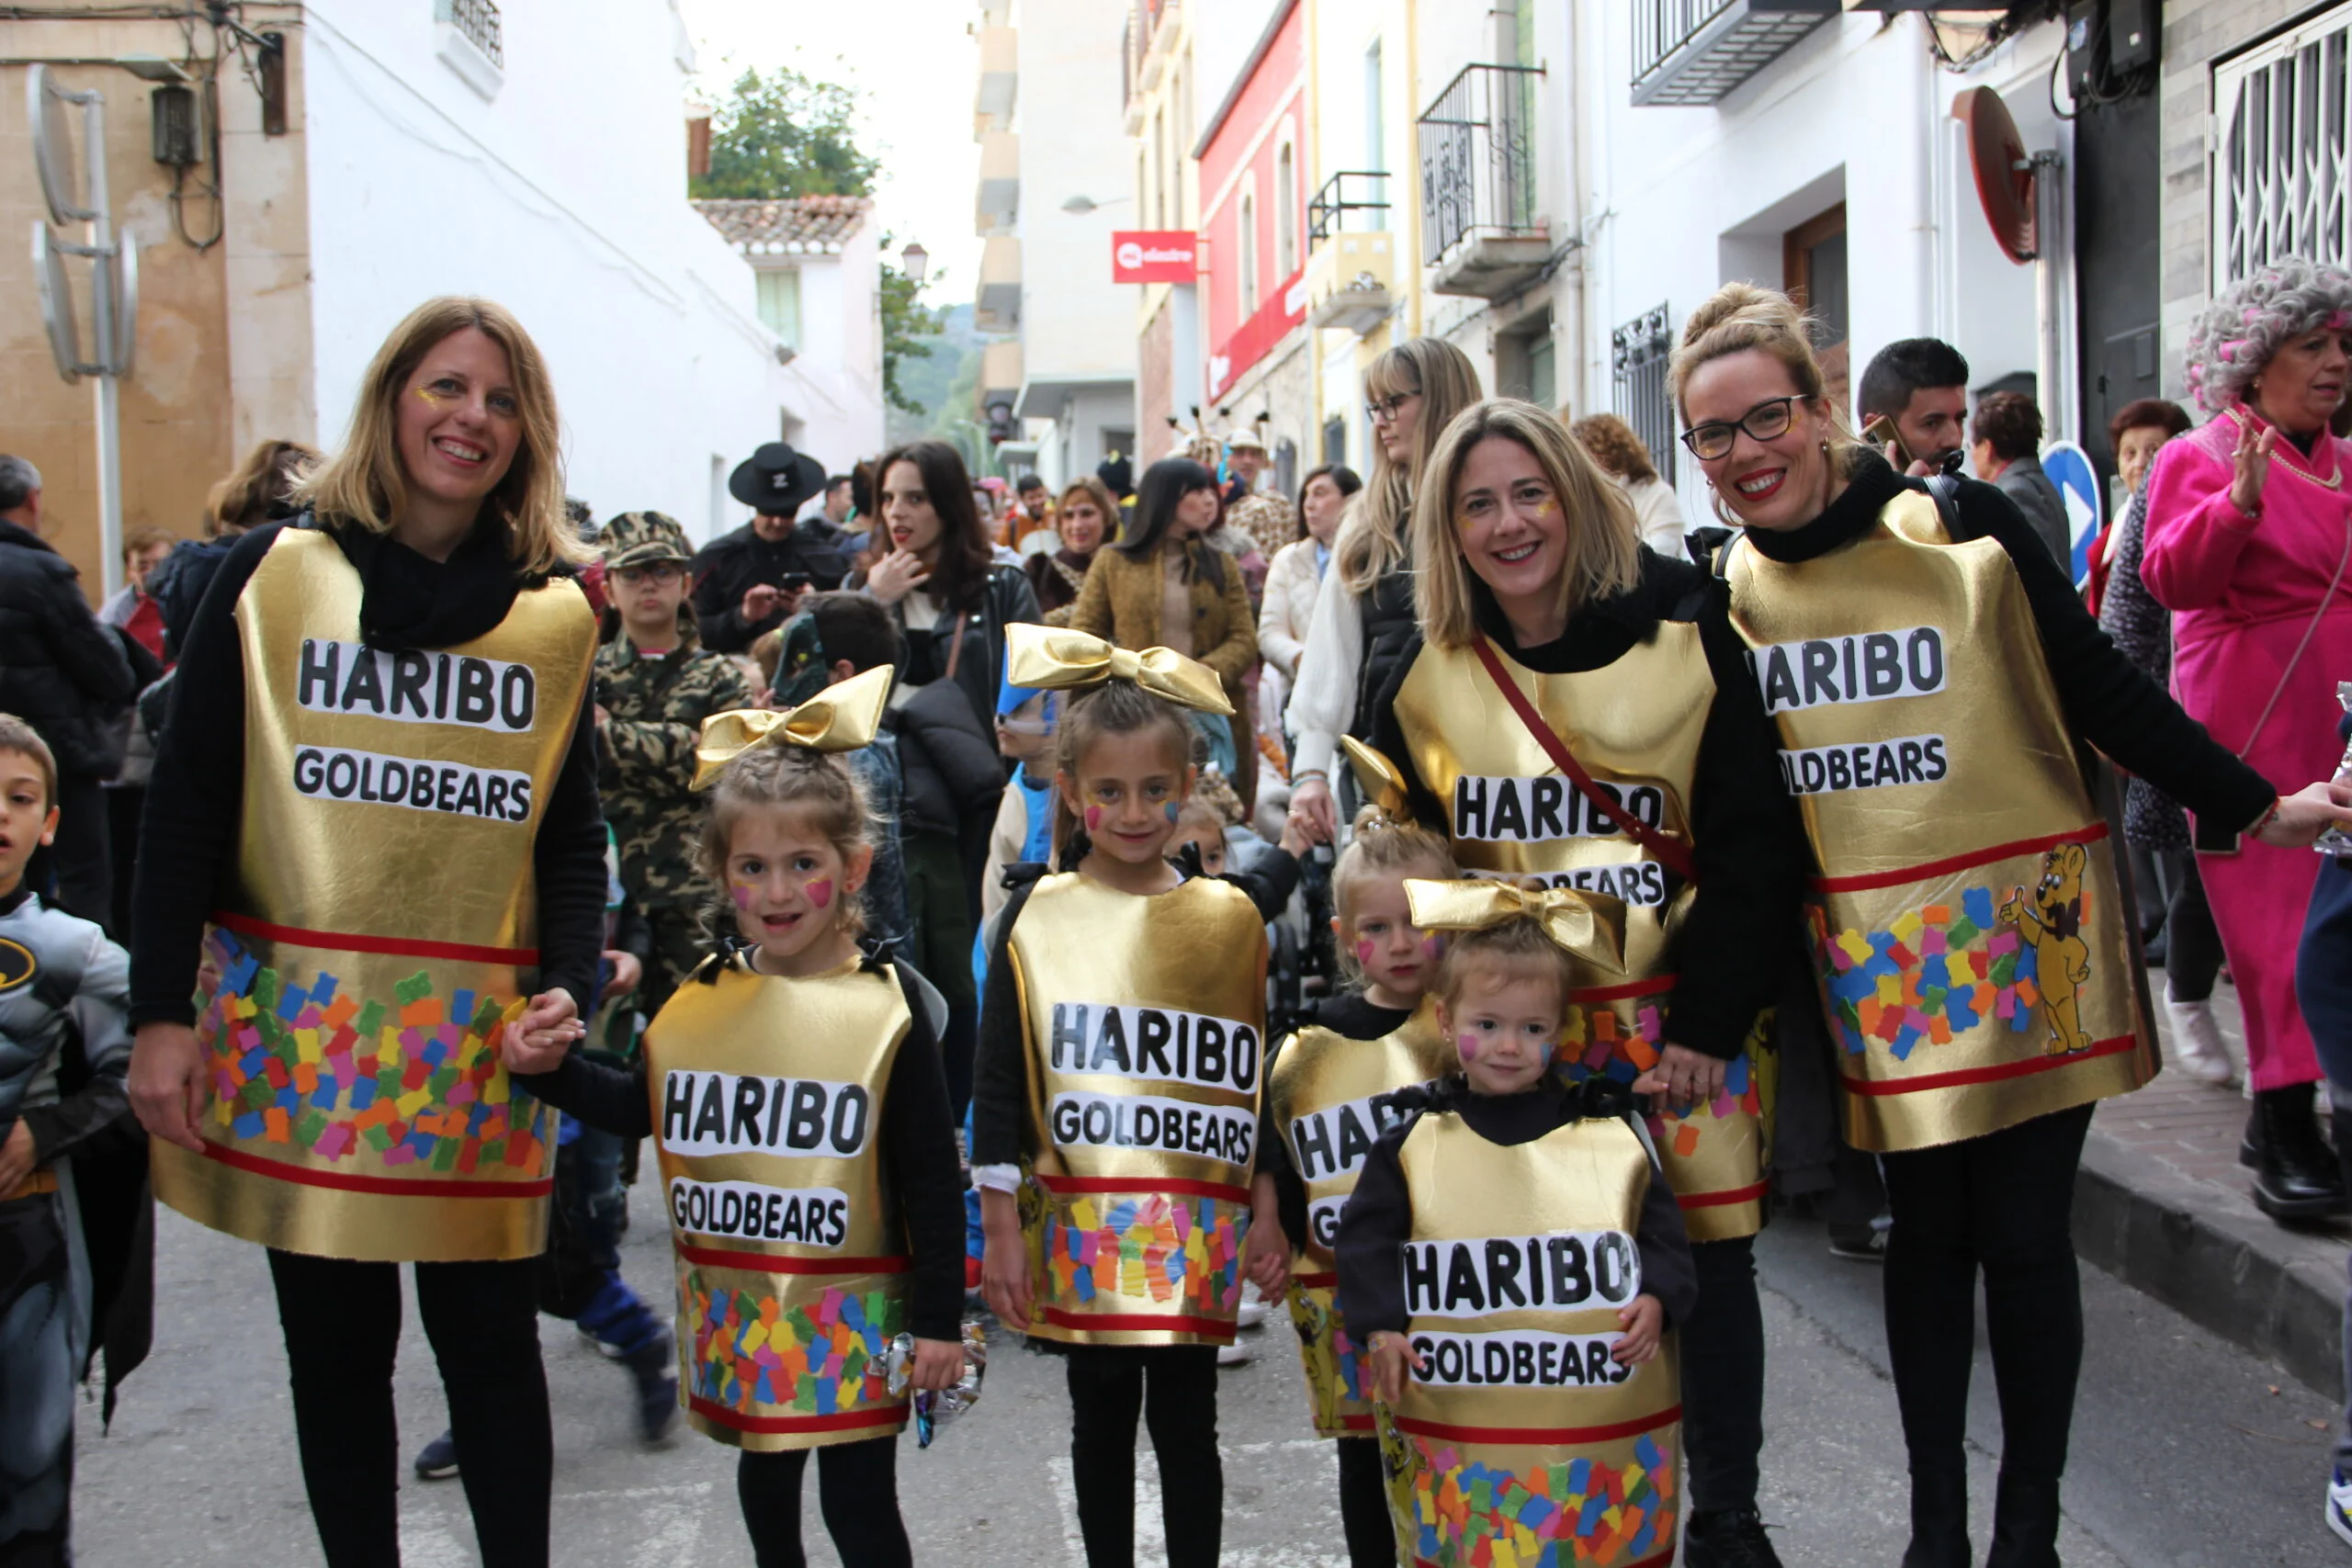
x=1589, y=925
x=1058, y=658
x=839, y=718
x=1382, y=781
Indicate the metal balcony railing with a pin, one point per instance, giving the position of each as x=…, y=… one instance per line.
x=1349, y=190
x=478, y=20
x=1690, y=52
x=1478, y=158
x=1638, y=353
x=1145, y=18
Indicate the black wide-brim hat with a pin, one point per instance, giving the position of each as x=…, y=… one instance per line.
x=776, y=480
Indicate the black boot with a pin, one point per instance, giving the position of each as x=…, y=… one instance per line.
x=1939, y=1520
x=2025, y=1525
x=1726, y=1537
x=2295, y=1175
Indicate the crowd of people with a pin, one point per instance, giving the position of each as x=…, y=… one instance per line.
x=1459, y=902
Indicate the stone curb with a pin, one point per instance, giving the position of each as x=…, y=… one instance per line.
x=2215, y=1259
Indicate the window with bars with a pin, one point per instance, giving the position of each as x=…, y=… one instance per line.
x=2282, y=169
x=1638, y=352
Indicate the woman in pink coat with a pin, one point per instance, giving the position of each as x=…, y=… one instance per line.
x=2249, y=534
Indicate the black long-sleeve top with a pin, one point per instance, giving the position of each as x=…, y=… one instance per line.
x=1747, y=842
x=1378, y=1219
x=2107, y=698
x=187, y=845
x=917, y=1145
x=1001, y=1068
x=1353, y=1016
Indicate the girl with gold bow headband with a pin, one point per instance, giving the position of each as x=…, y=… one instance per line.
x=795, y=1089
x=1115, y=1106
x=1517, y=1348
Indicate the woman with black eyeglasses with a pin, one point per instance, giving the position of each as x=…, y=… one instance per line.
x=1937, y=685
x=1363, y=617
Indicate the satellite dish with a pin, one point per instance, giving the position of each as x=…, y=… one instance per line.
x=53, y=148
x=2069, y=468
x=123, y=267
x=2005, y=175
x=56, y=304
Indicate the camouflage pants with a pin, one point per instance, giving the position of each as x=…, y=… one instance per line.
x=680, y=942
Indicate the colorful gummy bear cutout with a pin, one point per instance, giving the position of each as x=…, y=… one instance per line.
x=1935, y=973
x=753, y=1354
x=1594, y=1043
x=321, y=1069
x=1179, y=1250
x=1551, y=1515
x=1336, y=1384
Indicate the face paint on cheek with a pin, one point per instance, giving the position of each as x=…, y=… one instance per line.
x=1432, y=945
x=1093, y=818
x=1551, y=505
x=1467, y=1045
x=430, y=398
x=741, y=892
x=1172, y=811
x=1365, y=948
x=820, y=892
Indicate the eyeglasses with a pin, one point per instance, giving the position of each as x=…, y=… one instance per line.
x=1766, y=421
x=1381, y=410
x=664, y=572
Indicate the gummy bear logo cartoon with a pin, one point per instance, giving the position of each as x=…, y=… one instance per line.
x=2050, y=921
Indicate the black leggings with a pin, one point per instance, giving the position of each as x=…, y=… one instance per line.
x=1723, y=1377
x=1363, y=1505
x=857, y=1489
x=342, y=1321
x=1174, y=1390
x=2003, y=1202
x=2192, y=944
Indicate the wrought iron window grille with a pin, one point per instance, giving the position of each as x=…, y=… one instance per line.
x=1478, y=158
x=2282, y=169
x=1638, y=355
x=477, y=21
x=1349, y=190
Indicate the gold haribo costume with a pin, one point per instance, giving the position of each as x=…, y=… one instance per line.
x=1143, y=1020
x=768, y=1099
x=1636, y=726
x=358, y=1106
x=1966, y=921
x=1521, y=1432
x=1320, y=1098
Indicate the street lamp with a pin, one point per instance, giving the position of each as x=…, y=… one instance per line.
x=1082, y=204
x=914, y=263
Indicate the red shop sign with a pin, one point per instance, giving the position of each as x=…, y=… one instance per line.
x=1154, y=255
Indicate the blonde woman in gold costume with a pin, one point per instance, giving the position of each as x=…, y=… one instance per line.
x=377, y=792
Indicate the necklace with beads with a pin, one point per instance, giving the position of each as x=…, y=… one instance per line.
x=2335, y=481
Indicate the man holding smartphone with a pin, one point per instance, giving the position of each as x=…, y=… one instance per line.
x=748, y=582
x=1919, y=387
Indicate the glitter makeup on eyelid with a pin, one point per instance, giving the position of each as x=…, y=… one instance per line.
x=432, y=398
x=820, y=892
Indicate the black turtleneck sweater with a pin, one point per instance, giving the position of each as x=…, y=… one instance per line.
x=2108, y=701
x=187, y=842
x=1746, y=840
x=1379, y=1216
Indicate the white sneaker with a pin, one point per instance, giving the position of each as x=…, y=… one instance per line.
x=2197, y=1047
x=1234, y=1355
x=2339, y=1507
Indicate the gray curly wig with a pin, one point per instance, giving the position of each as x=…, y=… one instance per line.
x=2254, y=318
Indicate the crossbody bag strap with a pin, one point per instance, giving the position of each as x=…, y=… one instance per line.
x=1669, y=852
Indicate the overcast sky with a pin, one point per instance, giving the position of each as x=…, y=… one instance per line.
x=913, y=62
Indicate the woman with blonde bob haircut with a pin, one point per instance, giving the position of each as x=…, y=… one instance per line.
x=1936, y=687
x=1364, y=613
x=379, y=793
x=1575, y=708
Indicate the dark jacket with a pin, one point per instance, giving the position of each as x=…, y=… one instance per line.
x=1007, y=598
x=60, y=670
x=951, y=770
x=734, y=564
x=2024, y=482
x=177, y=586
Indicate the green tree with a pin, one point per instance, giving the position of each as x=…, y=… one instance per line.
x=783, y=134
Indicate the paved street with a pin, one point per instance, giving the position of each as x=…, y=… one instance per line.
x=2185, y=1457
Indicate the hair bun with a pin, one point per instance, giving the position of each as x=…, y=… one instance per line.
x=1744, y=302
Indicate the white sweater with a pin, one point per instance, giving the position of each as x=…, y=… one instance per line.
x=1324, y=702
x=1288, y=608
